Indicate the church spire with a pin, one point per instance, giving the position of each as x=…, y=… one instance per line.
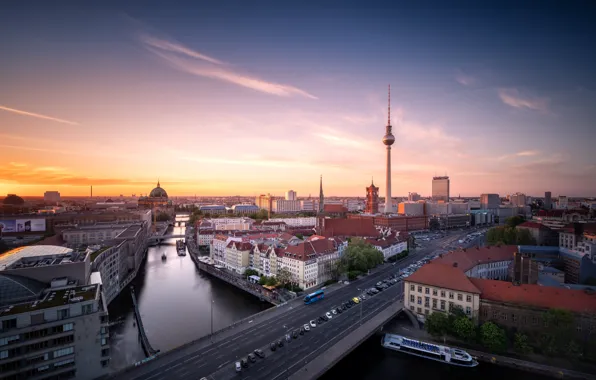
x=321, y=197
x=158, y=183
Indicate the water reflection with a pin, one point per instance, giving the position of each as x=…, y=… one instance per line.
x=174, y=300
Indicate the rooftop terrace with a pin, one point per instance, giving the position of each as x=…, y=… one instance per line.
x=54, y=298
x=38, y=255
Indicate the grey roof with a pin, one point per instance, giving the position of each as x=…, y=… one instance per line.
x=16, y=289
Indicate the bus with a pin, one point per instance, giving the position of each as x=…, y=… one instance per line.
x=314, y=297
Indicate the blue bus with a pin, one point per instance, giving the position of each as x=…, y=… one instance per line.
x=314, y=297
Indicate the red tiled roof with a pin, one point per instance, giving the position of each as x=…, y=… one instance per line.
x=578, y=301
x=551, y=213
x=443, y=276
x=349, y=227
x=308, y=250
x=240, y=246
x=334, y=208
x=533, y=225
x=471, y=257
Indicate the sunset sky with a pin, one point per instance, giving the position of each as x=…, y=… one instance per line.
x=226, y=98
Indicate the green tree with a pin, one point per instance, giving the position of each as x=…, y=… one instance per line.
x=300, y=236
x=360, y=256
x=524, y=237
x=284, y=276
x=514, y=221
x=437, y=324
x=495, y=235
x=464, y=328
x=521, y=344
x=493, y=337
x=250, y=272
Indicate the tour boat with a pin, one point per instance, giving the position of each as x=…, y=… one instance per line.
x=444, y=354
x=181, y=247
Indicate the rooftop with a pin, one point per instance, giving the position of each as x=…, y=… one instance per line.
x=36, y=255
x=578, y=301
x=363, y=227
x=469, y=258
x=53, y=298
x=130, y=232
x=443, y=276
x=533, y=225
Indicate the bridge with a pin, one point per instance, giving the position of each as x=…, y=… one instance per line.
x=149, y=350
x=160, y=238
x=213, y=356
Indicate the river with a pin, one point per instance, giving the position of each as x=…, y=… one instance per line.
x=174, y=301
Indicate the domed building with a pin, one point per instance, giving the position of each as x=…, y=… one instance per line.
x=13, y=200
x=158, y=197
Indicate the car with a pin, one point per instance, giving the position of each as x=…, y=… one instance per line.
x=379, y=283
x=328, y=315
x=302, y=330
x=280, y=343
x=363, y=297
x=320, y=320
x=324, y=317
x=288, y=338
x=334, y=311
x=313, y=324
x=339, y=310
x=306, y=327
x=252, y=357
x=344, y=307
x=356, y=300
x=349, y=305
x=259, y=353
x=244, y=362
x=238, y=367
x=273, y=346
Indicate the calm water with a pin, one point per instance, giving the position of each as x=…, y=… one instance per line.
x=370, y=361
x=174, y=300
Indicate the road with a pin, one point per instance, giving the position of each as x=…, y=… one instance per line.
x=216, y=361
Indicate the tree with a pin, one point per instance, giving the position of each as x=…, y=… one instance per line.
x=520, y=344
x=284, y=276
x=524, y=237
x=514, y=221
x=509, y=236
x=493, y=337
x=437, y=324
x=300, y=236
x=360, y=256
x=464, y=328
x=433, y=224
x=250, y=272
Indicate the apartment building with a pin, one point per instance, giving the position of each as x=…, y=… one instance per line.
x=237, y=256
x=390, y=245
x=53, y=315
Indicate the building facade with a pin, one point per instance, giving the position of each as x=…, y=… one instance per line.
x=51, y=197
x=490, y=201
x=440, y=189
x=291, y=195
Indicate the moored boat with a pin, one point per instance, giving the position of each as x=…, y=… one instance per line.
x=444, y=354
x=181, y=247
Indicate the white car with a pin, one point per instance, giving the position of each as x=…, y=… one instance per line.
x=334, y=311
x=306, y=327
x=328, y=315
x=313, y=324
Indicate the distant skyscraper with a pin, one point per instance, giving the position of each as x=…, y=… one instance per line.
x=290, y=195
x=388, y=140
x=372, y=199
x=440, y=189
x=490, y=201
x=518, y=199
x=51, y=197
x=413, y=197
x=321, y=198
x=548, y=203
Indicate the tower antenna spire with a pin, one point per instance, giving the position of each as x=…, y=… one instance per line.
x=389, y=106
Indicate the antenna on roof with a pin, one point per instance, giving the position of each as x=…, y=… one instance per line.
x=389, y=106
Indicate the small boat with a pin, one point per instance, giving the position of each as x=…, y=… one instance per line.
x=163, y=256
x=444, y=354
x=181, y=247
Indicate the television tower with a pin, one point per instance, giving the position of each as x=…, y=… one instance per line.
x=388, y=140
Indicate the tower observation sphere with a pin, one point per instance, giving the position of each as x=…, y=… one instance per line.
x=388, y=139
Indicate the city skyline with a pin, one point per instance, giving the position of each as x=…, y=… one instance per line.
x=217, y=104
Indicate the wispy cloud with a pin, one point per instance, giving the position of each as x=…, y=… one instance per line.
x=464, y=79
x=525, y=153
x=512, y=98
x=37, y=115
x=194, y=62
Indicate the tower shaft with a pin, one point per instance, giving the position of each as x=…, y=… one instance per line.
x=388, y=208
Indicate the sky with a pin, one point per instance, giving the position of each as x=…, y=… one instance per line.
x=244, y=98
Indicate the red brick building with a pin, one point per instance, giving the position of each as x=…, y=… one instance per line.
x=397, y=223
x=372, y=199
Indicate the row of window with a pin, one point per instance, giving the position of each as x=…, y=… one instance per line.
x=435, y=292
x=435, y=304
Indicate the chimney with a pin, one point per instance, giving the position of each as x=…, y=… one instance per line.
x=455, y=265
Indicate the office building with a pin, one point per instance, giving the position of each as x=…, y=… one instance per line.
x=490, y=201
x=518, y=199
x=51, y=197
x=563, y=202
x=548, y=203
x=291, y=195
x=440, y=189
x=413, y=197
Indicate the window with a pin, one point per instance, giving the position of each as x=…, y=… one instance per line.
x=442, y=304
x=63, y=313
x=63, y=362
x=427, y=291
x=514, y=317
x=412, y=288
x=451, y=306
x=435, y=292
x=412, y=298
x=3, y=354
x=468, y=298
x=419, y=310
x=434, y=303
x=67, y=326
x=426, y=311
x=419, y=300
x=419, y=289
x=442, y=293
x=468, y=310
x=9, y=324
x=412, y=308
x=8, y=340
x=450, y=295
x=460, y=297
x=495, y=314
x=504, y=316
x=426, y=301
x=63, y=352
x=484, y=312
x=104, y=341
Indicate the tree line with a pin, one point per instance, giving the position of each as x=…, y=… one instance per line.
x=509, y=234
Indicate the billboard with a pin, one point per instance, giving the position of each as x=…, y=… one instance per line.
x=22, y=225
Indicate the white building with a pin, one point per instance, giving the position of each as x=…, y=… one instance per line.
x=228, y=224
x=291, y=195
x=310, y=221
x=410, y=208
x=389, y=246
x=518, y=199
x=310, y=205
x=563, y=202
x=282, y=206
